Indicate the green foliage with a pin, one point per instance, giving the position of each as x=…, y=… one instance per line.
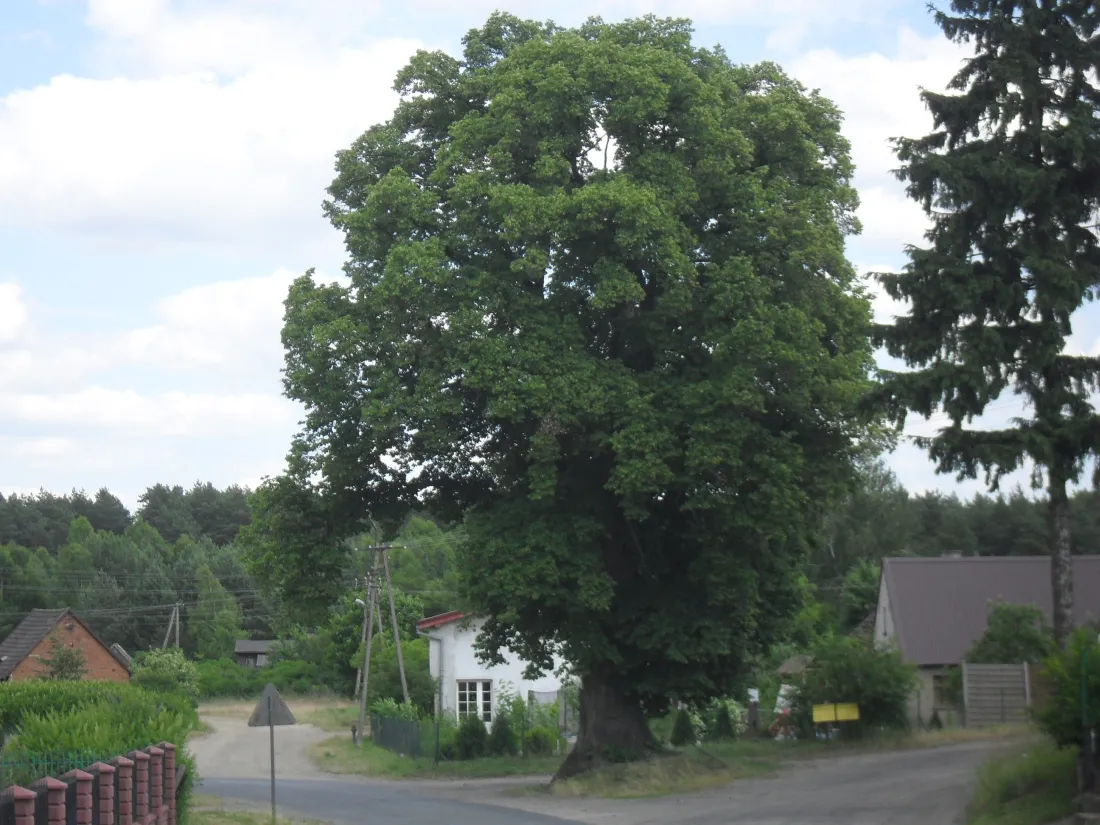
x=658, y=363
x=224, y=678
x=1061, y=715
x=165, y=671
x=113, y=725
x=683, y=731
x=722, y=729
x=860, y=592
x=849, y=670
x=1035, y=785
x=540, y=741
x=63, y=663
x=1012, y=254
x=502, y=738
x=20, y=699
x=393, y=709
x=1015, y=633
x=471, y=739
x=385, y=678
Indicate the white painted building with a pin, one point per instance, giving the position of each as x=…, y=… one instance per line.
x=465, y=684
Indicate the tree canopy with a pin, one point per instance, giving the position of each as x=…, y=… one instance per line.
x=1010, y=178
x=599, y=308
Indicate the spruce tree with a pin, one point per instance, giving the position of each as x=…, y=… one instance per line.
x=1010, y=178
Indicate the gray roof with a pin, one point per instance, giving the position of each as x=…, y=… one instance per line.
x=253, y=646
x=31, y=631
x=940, y=605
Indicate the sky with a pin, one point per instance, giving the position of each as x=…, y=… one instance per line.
x=162, y=169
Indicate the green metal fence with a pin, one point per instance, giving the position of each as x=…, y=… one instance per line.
x=23, y=767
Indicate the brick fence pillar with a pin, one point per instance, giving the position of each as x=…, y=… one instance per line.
x=55, y=790
x=24, y=804
x=83, y=795
x=106, y=779
x=156, y=784
x=169, y=782
x=141, y=784
x=124, y=789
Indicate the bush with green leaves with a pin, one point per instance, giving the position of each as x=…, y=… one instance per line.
x=392, y=709
x=683, y=730
x=721, y=719
x=722, y=730
x=19, y=699
x=1014, y=634
x=1060, y=716
x=224, y=678
x=166, y=671
x=471, y=739
x=850, y=670
x=502, y=739
x=540, y=741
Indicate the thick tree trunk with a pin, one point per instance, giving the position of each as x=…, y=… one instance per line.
x=1061, y=560
x=612, y=729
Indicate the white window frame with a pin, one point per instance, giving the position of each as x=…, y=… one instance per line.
x=483, y=691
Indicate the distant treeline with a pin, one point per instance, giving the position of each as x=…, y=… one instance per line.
x=204, y=511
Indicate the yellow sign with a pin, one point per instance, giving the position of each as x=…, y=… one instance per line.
x=824, y=714
x=847, y=713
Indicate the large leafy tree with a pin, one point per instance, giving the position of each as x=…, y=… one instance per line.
x=1010, y=177
x=599, y=304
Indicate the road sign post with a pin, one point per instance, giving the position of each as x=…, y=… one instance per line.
x=271, y=710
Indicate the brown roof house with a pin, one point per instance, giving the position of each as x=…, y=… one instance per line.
x=22, y=652
x=934, y=609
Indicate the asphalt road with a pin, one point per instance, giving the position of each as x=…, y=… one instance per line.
x=916, y=787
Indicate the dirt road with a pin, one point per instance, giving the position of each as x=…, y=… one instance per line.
x=913, y=787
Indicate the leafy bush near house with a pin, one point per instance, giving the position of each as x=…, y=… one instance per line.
x=225, y=679
x=683, y=731
x=722, y=730
x=849, y=670
x=1061, y=715
x=502, y=740
x=1015, y=633
x=166, y=671
x=471, y=739
x=540, y=741
x=392, y=709
x=20, y=699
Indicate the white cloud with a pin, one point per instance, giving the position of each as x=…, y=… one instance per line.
x=13, y=312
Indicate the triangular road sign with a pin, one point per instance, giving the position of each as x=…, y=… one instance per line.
x=274, y=712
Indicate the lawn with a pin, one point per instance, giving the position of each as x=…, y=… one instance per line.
x=1035, y=785
x=212, y=810
x=339, y=755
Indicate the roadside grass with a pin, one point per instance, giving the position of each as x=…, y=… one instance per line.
x=335, y=718
x=1038, y=784
x=212, y=810
x=202, y=729
x=339, y=755
x=306, y=709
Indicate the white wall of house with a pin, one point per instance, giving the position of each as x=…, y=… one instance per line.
x=451, y=660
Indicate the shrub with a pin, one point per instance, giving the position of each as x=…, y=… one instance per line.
x=540, y=741
x=1016, y=633
x=166, y=671
x=224, y=678
x=19, y=699
x=392, y=709
x=1061, y=715
x=723, y=725
x=502, y=740
x=66, y=664
x=471, y=738
x=849, y=670
x=683, y=731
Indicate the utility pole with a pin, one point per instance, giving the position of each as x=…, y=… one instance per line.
x=371, y=599
x=177, y=625
x=363, y=640
x=173, y=617
x=396, y=630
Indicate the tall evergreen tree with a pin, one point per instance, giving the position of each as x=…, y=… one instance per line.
x=1010, y=177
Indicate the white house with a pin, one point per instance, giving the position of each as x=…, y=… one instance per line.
x=465, y=684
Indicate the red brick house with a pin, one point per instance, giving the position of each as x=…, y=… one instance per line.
x=22, y=651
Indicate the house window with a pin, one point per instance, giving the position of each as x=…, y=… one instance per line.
x=476, y=698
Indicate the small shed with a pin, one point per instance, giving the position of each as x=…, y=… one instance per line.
x=253, y=652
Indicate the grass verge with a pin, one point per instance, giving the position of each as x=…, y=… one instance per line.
x=306, y=709
x=212, y=810
x=1034, y=786
x=336, y=718
x=338, y=755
